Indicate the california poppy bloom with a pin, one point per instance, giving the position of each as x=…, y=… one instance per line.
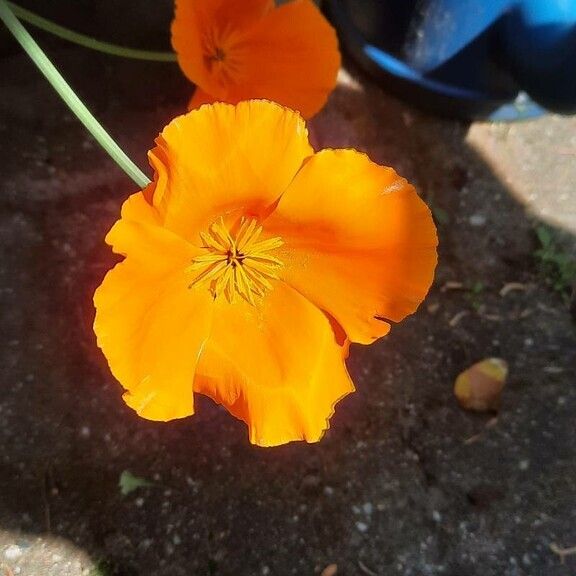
x=235, y=50
x=250, y=264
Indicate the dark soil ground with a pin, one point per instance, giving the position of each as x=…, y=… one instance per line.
x=405, y=482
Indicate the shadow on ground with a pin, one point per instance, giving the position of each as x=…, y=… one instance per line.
x=404, y=483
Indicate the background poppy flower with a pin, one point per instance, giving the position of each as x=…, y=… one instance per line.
x=251, y=263
x=235, y=50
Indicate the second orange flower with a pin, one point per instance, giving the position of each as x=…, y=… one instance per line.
x=235, y=50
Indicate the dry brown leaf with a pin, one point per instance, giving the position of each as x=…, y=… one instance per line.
x=479, y=388
x=488, y=426
x=512, y=287
x=330, y=570
x=451, y=285
x=365, y=569
x=455, y=320
x=562, y=552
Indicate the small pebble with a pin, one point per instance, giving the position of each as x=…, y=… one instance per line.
x=433, y=308
x=477, y=220
x=146, y=543
x=311, y=483
x=361, y=526
x=524, y=465
x=13, y=552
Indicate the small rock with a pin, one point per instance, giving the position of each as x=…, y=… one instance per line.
x=13, y=552
x=146, y=543
x=477, y=220
x=433, y=308
x=311, y=483
x=361, y=526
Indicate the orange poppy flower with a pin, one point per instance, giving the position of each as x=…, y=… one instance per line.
x=235, y=50
x=250, y=264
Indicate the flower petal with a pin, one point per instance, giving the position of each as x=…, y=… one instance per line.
x=291, y=56
x=358, y=242
x=224, y=160
x=137, y=208
x=198, y=25
x=149, y=325
x=279, y=366
x=138, y=235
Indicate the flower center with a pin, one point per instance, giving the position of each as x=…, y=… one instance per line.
x=239, y=264
x=214, y=57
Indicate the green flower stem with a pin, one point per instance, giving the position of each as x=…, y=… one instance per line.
x=69, y=96
x=87, y=41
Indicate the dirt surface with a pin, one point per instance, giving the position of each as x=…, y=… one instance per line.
x=405, y=482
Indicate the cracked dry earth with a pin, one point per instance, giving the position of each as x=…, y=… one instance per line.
x=405, y=482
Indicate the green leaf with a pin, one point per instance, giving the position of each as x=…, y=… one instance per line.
x=440, y=215
x=544, y=236
x=477, y=287
x=128, y=482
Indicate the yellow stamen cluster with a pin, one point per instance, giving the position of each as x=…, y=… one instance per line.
x=239, y=264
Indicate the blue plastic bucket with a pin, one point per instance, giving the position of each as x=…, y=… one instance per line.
x=466, y=58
